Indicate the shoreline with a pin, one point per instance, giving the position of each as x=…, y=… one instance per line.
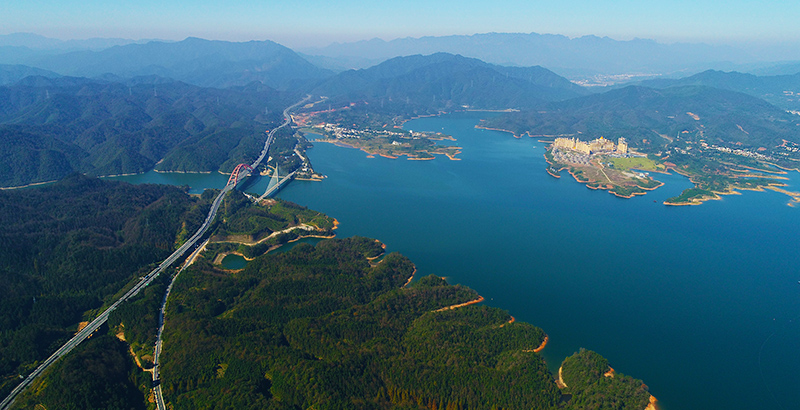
x=410, y=157
x=480, y=127
x=652, y=405
x=186, y=172
x=560, y=381
x=460, y=305
x=605, y=187
x=734, y=190
x=408, y=282
x=122, y=175
x=381, y=255
x=543, y=345
x=28, y=185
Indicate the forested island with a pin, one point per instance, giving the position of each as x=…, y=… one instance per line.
x=336, y=325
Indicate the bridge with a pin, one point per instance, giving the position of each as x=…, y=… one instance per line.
x=241, y=172
x=276, y=182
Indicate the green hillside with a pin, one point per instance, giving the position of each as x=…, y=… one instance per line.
x=416, y=85
x=650, y=118
x=66, y=248
x=51, y=127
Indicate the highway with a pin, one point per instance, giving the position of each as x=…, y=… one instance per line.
x=287, y=120
x=159, y=397
x=160, y=404
x=145, y=280
x=103, y=317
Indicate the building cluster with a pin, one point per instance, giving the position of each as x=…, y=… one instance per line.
x=341, y=132
x=739, y=152
x=592, y=147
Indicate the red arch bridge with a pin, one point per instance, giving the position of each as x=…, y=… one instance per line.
x=241, y=171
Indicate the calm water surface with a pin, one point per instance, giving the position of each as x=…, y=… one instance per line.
x=233, y=261
x=701, y=302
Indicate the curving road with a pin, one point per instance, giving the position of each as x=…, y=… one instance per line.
x=145, y=280
x=287, y=120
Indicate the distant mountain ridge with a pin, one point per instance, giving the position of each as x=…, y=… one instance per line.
x=11, y=73
x=196, y=61
x=567, y=56
x=23, y=48
x=36, y=41
x=445, y=81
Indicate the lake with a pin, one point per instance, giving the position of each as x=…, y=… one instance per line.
x=700, y=302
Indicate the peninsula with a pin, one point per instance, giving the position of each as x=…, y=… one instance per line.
x=389, y=143
x=603, y=164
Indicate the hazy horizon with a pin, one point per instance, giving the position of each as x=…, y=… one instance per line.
x=318, y=24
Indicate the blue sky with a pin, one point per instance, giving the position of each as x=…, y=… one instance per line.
x=318, y=23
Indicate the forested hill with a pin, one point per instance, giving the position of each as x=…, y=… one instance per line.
x=66, y=248
x=781, y=90
x=444, y=82
x=196, y=61
x=648, y=118
x=51, y=127
x=326, y=327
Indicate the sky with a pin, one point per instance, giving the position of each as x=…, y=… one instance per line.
x=318, y=23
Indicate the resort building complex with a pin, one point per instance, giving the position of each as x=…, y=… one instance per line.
x=592, y=147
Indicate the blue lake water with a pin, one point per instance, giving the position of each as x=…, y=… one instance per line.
x=700, y=302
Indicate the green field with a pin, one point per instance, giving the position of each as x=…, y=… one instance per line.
x=644, y=164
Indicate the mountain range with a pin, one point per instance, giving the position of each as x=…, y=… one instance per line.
x=780, y=90
x=196, y=61
x=571, y=57
x=52, y=127
x=650, y=117
x=445, y=81
x=576, y=58
x=200, y=105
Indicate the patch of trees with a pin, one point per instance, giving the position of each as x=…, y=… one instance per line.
x=585, y=374
x=98, y=375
